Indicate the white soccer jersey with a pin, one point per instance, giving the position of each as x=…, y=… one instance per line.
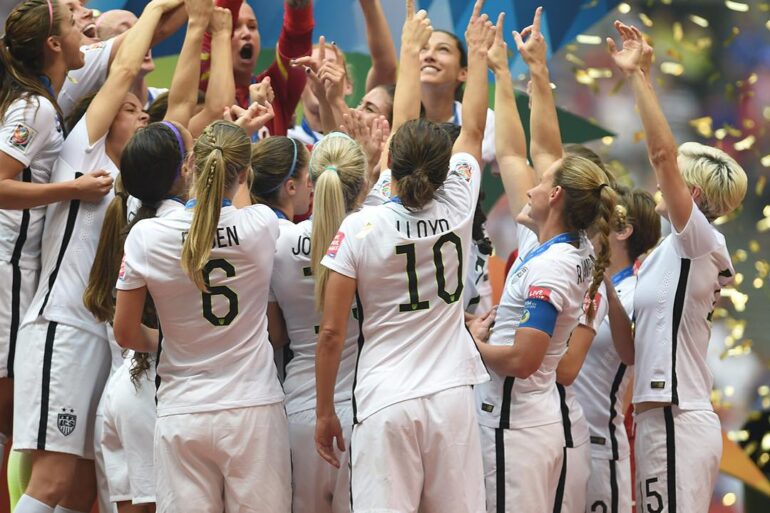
x=679, y=284
x=573, y=418
x=70, y=237
x=409, y=269
x=304, y=134
x=477, y=293
x=527, y=241
x=601, y=385
x=152, y=95
x=84, y=81
x=488, y=144
x=215, y=353
x=292, y=287
x=560, y=275
x=32, y=134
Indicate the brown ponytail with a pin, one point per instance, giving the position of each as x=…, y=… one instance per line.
x=221, y=152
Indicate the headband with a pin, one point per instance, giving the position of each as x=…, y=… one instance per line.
x=50, y=17
x=289, y=174
x=179, y=141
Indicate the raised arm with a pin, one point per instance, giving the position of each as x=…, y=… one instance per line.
x=545, y=145
x=381, y=47
x=108, y=101
x=479, y=37
x=510, y=142
x=169, y=23
x=634, y=60
x=221, y=90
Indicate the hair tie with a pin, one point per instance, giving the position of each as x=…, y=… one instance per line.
x=50, y=17
x=291, y=169
x=331, y=168
x=602, y=186
x=179, y=141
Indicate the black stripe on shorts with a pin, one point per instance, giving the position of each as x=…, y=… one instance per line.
x=613, y=487
x=668, y=415
x=562, y=483
x=500, y=469
x=42, y=429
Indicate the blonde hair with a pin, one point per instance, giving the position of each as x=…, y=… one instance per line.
x=721, y=180
x=337, y=168
x=221, y=152
x=589, y=202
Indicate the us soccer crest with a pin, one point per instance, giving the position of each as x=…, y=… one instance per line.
x=66, y=422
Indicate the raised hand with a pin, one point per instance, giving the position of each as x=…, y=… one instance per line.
x=262, y=92
x=534, y=50
x=417, y=28
x=635, y=55
x=167, y=5
x=480, y=33
x=312, y=67
x=91, y=187
x=251, y=119
x=497, y=55
x=220, y=21
x=372, y=136
x=333, y=76
x=199, y=10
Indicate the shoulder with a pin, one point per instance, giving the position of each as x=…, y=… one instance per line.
x=35, y=111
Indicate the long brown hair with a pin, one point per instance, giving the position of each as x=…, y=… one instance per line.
x=22, y=51
x=275, y=160
x=221, y=152
x=589, y=202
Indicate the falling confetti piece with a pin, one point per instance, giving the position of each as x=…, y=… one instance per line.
x=624, y=8
x=720, y=133
x=678, y=32
x=736, y=6
x=762, y=180
x=753, y=79
x=733, y=34
x=599, y=72
x=701, y=22
x=754, y=248
x=746, y=143
x=671, y=68
x=608, y=140
x=758, y=282
x=703, y=126
x=738, y=278
x=729, y=499
x=588, y=39
x=674, y=54
x=645, y=19
x=639, y=136
x=574, y=59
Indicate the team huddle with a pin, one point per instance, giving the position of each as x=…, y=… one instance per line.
x=208, y=306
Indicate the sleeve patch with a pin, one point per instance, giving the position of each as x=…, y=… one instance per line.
x=21, y=137
x=122, y=273
x=334, y=247
x=463, y=169
x=597, y=302
x=541, y=293
x=540, y=315
x=385, y=187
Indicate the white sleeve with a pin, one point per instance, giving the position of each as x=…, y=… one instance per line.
x=380, y=192
x=548, y=282
x=27, y=128
x=342, y=255
x=698, y=238
x=89, y=78
x=133, y=269
x=601, y=308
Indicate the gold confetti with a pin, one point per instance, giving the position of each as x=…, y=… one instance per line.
x=746, y=143
x=758, y=283
x=762, y=267
x=738, y=278
x=766, y=113
x=733, y=34
x=763, y=390
x=740, y=255
x=765, y=457
x=588, y=39
x=738, y=299
x=736, y=6
x=583, y=77
x=624, y=8
x=753, y=79
x=729, y=499
x=639, y=136
x=672, y=68
x=702, y=126
x=674, y=54
x=766, y=442
x=703, y=43
x=590, y=5
x=754, y=248
x=767, y=24
x=748, y=124
x=720, y=133
x=608, y=140
x=701, y=22
x=599, y=72
x=762, y=180
x=678, y=32
x=645, y=19
x=574, y=59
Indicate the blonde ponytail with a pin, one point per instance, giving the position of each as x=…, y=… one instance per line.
x=98, y=296
x=221, y=152
x=338, y=170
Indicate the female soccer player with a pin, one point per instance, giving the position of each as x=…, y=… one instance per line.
x=39, y=46
x=678, y=436
x=601, y=385
x=216, y=369
x=338, y=170
x=54, y=413
x=415, y=440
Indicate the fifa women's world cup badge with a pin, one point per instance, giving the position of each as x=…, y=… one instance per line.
x=21, y=137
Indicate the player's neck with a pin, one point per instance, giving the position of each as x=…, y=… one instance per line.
x=242, y=78
x=618, y=262
x=552, y=227
x=439, y=103
x=139, y=88
x=286, y=207
x=313, y=118
x=56, y=73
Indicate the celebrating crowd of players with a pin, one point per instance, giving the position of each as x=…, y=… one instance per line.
x=179, y=332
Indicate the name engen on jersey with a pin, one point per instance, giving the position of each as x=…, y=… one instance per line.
x=334, y=247
x=541, y=293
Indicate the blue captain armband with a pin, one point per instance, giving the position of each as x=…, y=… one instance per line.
x=540, y=315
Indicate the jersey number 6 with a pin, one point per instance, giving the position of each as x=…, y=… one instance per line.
x=228, y=293
x=438, y=261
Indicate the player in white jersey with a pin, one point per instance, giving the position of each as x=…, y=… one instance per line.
x=338, y=169
x=415, y=442
x=678, y=435
x=55, y=409
x=601, y=385
x=522, y=436
x=37, y=49
x=215, y=368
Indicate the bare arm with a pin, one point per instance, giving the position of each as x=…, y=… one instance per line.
x=381, y=47
x=621, y=328
x=545, y=145
x=520, y=360
x=129, y=332
x=510, y=142
x=572, y=361
x=276, y=326
x=634, y=61
x=169, y=23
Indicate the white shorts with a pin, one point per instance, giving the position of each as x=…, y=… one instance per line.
x=577, y=461
x=228, y=460
x=522, y=467
x=318, y=487
x=60, y=373
x=609, y=487
x=677, y=459
x=17, y=286
x=127, y=439
x=420, y=454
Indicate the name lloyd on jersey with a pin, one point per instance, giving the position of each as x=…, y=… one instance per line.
x=225, y=237
x=423, y=227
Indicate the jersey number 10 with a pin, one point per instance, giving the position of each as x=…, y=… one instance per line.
x=438, y=261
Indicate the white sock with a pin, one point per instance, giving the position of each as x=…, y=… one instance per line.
x=60, y=509
x=28, y=504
